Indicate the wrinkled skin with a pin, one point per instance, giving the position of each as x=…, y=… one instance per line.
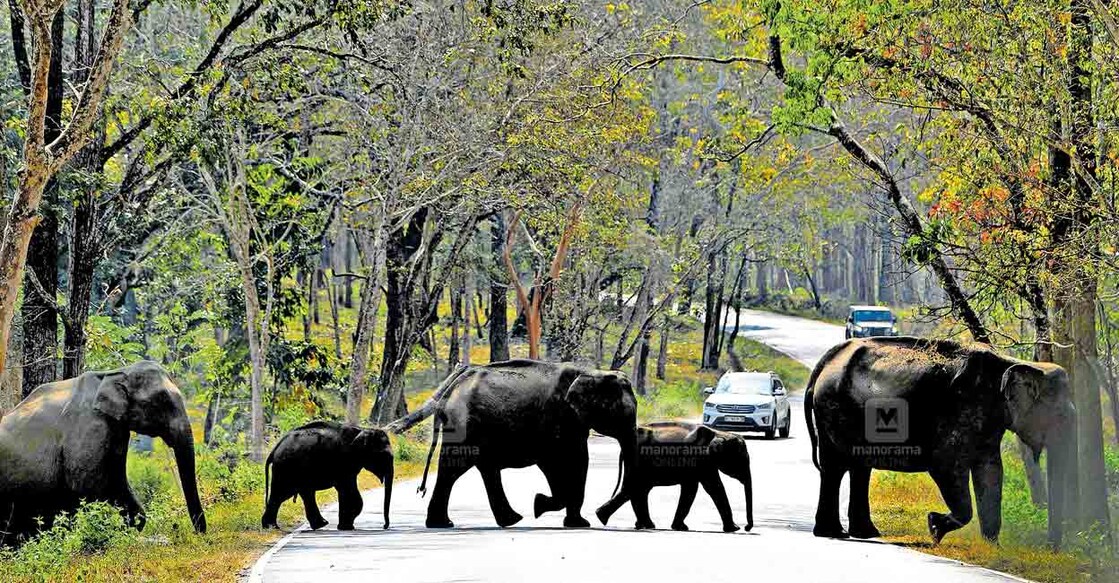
x=323, y=455
x=68, y=442
x=673, y=453
x=960, y=402
x=520, y=413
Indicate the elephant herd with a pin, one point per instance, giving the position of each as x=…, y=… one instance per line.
x=902, y=404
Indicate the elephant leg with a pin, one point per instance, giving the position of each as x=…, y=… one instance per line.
x=640, y=504
x=954, y=489
x=452, y=465
x=827, y=507
x=311, y=509
x=131, y=508
x=687, y=496
x=503, y=513
x=349, y=504
x=858, y=507
x=553, y=472
x=612, y=505
x=713, y=485
x=986, y=475
x=576, y=486
x=276, y=496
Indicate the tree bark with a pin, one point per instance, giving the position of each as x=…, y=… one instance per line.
x=499, y=319
x=42, y=160
x=40, y=282
x=367, y=322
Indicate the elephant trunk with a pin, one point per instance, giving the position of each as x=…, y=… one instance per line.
x=627, y=459
x=1063, y=479
x=181, y=440
x=386, y=479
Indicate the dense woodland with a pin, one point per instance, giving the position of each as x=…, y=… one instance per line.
x=213, y=185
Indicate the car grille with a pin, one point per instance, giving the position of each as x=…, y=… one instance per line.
x=734, y=408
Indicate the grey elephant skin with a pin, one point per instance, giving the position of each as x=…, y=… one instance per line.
x=518, y=413
x=688, y=455
x=68, y=442
x=917, y=405
x=323, y=455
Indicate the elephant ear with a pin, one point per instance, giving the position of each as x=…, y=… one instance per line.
x=111, y=399
x=1021, y=387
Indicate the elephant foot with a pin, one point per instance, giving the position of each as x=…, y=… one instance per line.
x=644, y=525
x=507, y=519
x=864, y=531
x=439, y=523
x=542, y=504
x=680, y=526
x=267, y=523
x=345, y=526
x=317, y=522
x=603, y=515
x=576, y=522
x=749, y=526
x=940, y=525
x=830, y=532
x=730, y=528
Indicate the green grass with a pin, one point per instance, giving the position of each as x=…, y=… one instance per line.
x=899, y=503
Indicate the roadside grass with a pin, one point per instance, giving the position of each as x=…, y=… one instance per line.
x=95, y=547
x=899, y=504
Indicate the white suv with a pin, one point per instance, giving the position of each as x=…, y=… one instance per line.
x=749, y=401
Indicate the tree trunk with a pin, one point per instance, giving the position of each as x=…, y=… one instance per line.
x=40, y=282
x=400, y=331
x=498, y=321
x=367, y=323
x=454, y=348
x=662, y=349
x=468, y=315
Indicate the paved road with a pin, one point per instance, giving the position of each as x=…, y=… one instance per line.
x=780, y=548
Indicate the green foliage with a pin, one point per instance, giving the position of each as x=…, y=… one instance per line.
x=110, y=345
x=93, y=529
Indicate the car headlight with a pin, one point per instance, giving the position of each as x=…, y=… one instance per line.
x=893, y=329
x=707, y=405
x=858, y=328
x=765, y=406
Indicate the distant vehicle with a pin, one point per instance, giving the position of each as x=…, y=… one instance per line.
x=865, y=321
x=748, y=401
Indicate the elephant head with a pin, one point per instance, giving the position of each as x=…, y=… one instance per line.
x=1040, y=411
x=142, y=398
x=373, y=448
x=604, y=401
x=730, y=455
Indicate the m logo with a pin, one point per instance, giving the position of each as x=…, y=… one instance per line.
x=887, y=420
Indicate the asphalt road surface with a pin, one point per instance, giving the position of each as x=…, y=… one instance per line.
x=780, y=547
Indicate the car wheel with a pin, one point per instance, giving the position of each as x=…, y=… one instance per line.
x=788, y=426
x=771, y=431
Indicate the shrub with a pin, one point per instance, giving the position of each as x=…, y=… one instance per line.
x=94, y=529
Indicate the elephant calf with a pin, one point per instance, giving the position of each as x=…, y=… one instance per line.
x=322, y=455
x=671, y=453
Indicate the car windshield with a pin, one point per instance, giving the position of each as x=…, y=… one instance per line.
x=872, y=316
x=746, y=386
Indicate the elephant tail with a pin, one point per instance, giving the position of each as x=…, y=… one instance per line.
x=432, y=405
x=618, y=484
x=437, y=426
x=267, y=464
x=811, y=428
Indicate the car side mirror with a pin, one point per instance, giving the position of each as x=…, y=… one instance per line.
x=708, y=390
x=778, y=391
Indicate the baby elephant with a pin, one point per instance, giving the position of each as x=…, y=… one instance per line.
x=671, y=453
x=322, y=455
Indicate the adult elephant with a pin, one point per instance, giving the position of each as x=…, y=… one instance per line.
x=917, y=405
x=519, y=413
x=68, y=442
